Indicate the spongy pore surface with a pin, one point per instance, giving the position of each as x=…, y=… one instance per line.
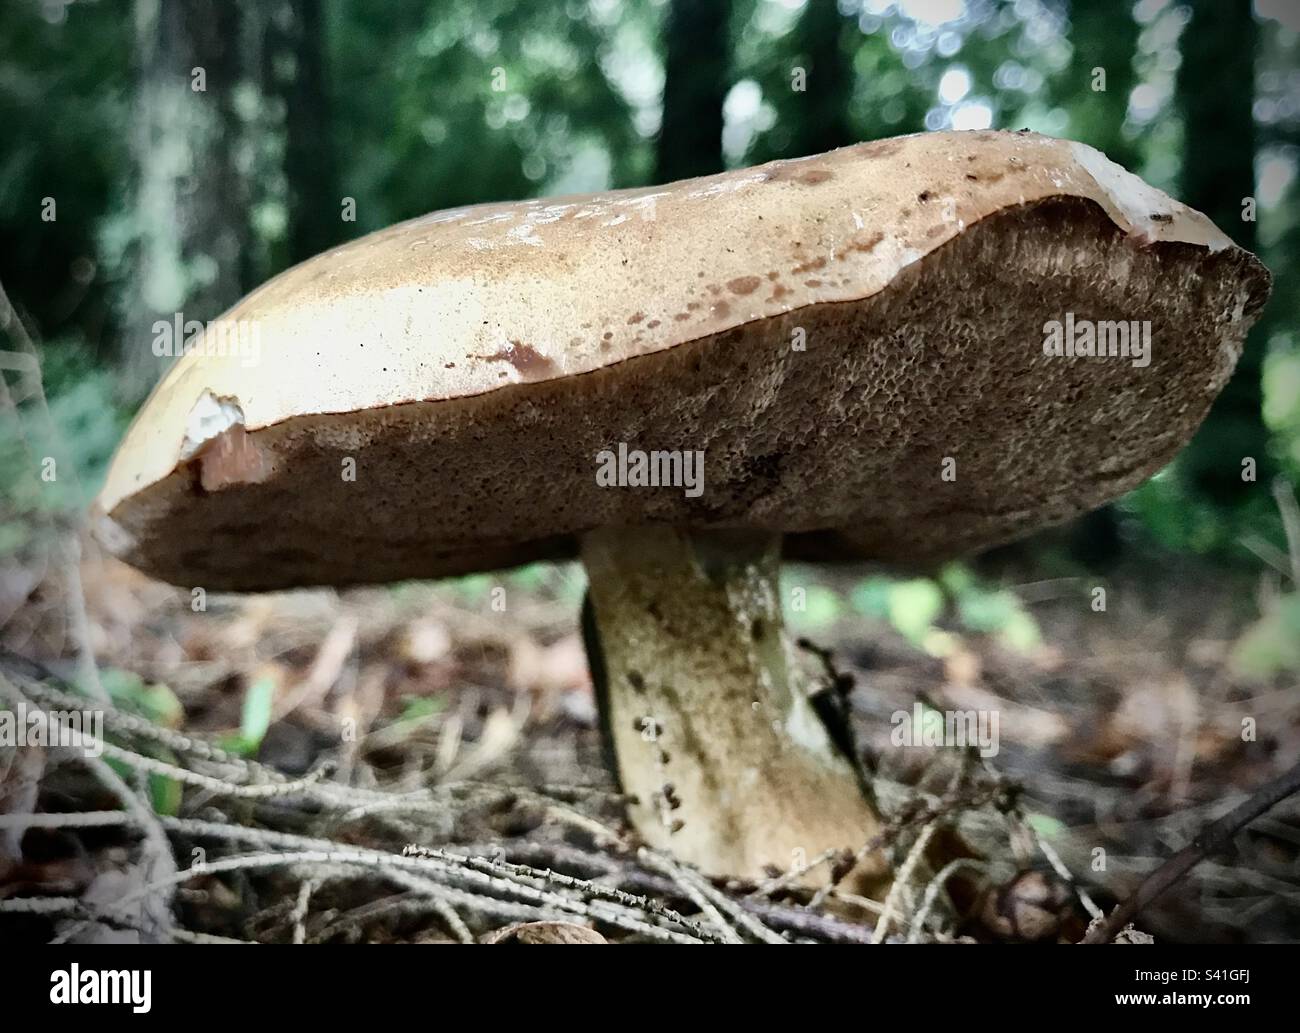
x=834, y=335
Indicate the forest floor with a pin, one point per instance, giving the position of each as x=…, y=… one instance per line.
x=299, y=743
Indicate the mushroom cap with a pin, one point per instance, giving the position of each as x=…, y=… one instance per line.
x=854, y=340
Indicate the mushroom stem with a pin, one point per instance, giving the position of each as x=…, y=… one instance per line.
x=708, y=710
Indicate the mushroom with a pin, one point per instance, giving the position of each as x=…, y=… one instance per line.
x=847, y=355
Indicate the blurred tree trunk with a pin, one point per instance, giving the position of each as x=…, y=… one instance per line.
x=823, y=123
x=1216, y=94
x=190, y=201
x=1101, y=37
x=695, y=85
x=295, y=53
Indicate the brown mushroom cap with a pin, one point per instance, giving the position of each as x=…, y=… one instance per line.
x=473, y=362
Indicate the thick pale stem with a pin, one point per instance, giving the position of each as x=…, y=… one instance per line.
x=730, y=766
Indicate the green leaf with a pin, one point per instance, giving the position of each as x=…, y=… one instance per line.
x=165, y=794
x=814, y=609
x=1020, y=632
x=957, y=578
x=1045, y=825
x=530, y=578
x=417, y=708
x=913, y=608
x=1272, y=644
x=870, y=597
x=255, y=716
x=154, y=701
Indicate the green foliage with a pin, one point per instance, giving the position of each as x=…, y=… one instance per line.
x=920, y=608
x=821, y=608
x=1182, y=520
x=517, y=93
x=87, y=421
x=1272, y=644
x=65, y=74
x=990, y=611
x=157, y=703
x=50, y=469
x=131, y=693
x=254, y=716
x=1045, y=825
x=1282, y=403
x=913, y=608
x=419, y=708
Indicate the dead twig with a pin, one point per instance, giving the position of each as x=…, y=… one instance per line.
x=1211, y=839
x=934, y=888
x=682, y=877
x=300, y=907
x=733, y=910
x=592, y=890
x=902, y=879
x=790, y=878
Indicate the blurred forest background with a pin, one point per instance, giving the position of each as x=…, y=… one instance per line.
x=161, y=157
x=164, y=156
x=128, y=192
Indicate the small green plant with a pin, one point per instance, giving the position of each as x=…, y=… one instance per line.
x=254, y=717
x=916, y=607
x=157, y=703
x=1271, y=645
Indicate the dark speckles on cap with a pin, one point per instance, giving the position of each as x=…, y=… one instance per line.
x=814, y=176
x=744, y=284
x=797, y=172
x=883, y=148
x=869, y=244
x=531, y=364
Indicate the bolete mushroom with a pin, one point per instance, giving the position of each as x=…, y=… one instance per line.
x=889, y=351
